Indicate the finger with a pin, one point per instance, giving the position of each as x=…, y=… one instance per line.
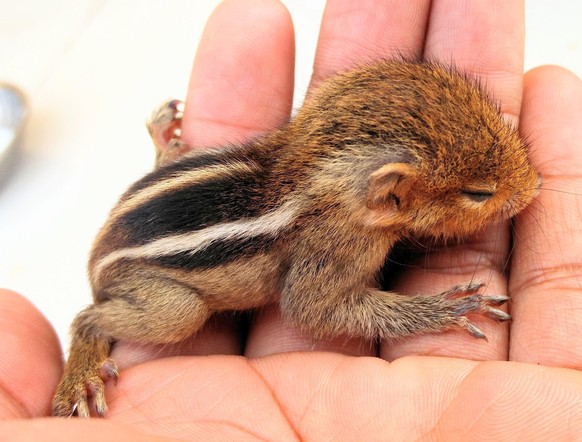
x=269, y=333
x=30, y=362
x=484, y=39
x=356, y=32
x=546, y=272
x=74, y=430
x=220, y=335
x=242, y=79
x=241, y=85
x=349, y=35
x=425, y=398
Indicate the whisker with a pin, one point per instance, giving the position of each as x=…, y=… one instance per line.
x=565, y=192
x=527, y=211
x=506, y=264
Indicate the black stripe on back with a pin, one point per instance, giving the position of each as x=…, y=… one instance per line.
x=224, y=199
x=217, y=253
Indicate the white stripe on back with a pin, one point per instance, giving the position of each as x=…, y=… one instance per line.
x=268, y=224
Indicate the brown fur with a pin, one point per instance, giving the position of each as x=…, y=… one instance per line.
x=392, y=149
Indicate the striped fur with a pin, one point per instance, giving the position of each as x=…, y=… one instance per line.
x=199, y=191
x=175, y=183
x=193, y=244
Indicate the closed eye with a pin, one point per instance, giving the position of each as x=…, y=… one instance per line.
x=478, y=196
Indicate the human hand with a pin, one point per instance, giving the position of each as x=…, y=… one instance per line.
x=242, y=86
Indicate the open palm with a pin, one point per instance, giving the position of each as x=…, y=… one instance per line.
x=275, y=384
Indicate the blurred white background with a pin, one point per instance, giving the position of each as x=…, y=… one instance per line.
x=93, y=70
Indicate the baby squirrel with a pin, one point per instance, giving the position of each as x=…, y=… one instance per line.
x=304, y=216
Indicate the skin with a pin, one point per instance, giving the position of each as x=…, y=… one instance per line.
x=530, y=387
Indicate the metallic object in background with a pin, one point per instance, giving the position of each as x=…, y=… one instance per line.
x=13, y=114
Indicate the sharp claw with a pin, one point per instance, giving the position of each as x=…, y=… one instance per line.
x=496, y=299
x=100, y=405
x=471, y=287
x=497, y=314
x=474, y=331
x=474, y=286
x=178, y=107
x=109, y=370
x=73, y=409
x=115, y=375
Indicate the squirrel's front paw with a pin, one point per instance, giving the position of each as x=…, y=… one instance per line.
x=474, y=303
x=77, y=385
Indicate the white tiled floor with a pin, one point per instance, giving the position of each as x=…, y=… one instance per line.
x=93, y=69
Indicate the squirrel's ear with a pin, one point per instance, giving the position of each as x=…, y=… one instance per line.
x=389, y=185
